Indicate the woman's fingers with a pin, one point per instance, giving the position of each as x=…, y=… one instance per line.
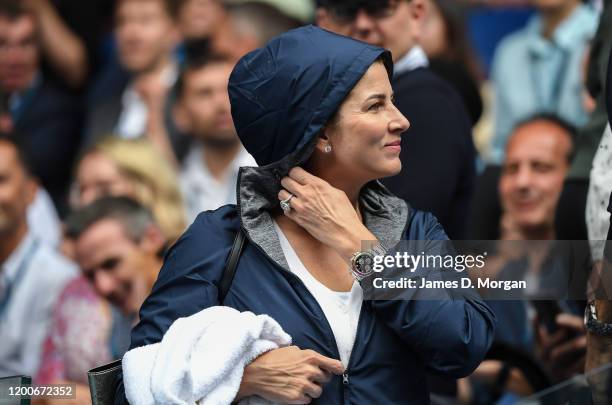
x=291, y=185
x=313, y=390
x=284, y=194
x=293, y=203
x=320, y=376
x=302, y=176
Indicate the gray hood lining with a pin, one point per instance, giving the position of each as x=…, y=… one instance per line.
x=385, y=215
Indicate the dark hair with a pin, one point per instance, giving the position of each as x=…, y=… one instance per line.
x=172, y=7
x=347, y=10
x=459, y=49
x=556, y=120
x=133, y=217
x=17, y=141
x=198, y=54
x=12, y=9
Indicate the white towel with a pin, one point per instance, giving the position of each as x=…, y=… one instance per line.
x=201, y=358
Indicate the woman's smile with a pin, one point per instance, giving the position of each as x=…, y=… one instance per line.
x=394, y=146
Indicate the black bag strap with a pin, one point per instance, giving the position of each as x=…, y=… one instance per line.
x=230, y=265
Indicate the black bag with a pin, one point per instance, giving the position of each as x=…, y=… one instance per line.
x=103, y=380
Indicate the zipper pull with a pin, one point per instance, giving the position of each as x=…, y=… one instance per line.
x=345, y=378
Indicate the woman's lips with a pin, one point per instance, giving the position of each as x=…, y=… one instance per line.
x=396, y=146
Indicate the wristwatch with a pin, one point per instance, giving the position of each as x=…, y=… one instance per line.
x=594, y=325
x=362, y=262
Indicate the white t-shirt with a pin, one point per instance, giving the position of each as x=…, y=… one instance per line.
x=201, y=190
x=340, y=308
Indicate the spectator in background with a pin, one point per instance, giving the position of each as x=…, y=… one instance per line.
x=210, y=170
x=446, y=44
x=119, y=248
x=134, y=168
x=539, y=68
x=32, y=275
x=438, y=155
x=538, y=156
x=598, y=218
x=83, y=335
x=252, y=23
x=199, y=19
x=595, y=149
x=64, y=51
x=575, y=192
x=48, y=118
x=537, y=159
x=146, y=37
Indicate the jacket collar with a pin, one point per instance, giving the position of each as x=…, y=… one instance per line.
x=385, y=215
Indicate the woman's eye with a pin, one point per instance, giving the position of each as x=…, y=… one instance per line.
x=375, y=107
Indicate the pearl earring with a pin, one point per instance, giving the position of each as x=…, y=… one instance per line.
x=327, y=148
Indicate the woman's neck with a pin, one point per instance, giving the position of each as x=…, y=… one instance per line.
x=350, y=186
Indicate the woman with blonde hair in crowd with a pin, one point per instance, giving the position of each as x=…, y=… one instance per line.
x=132, y=167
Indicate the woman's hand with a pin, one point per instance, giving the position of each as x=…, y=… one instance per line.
x=324, y=211
x=288, y=375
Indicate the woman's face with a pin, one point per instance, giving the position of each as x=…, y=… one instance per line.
x=365, y=139
x=98, y=176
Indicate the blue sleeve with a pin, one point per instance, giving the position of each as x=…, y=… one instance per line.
x=452, y=330
x=187, y=283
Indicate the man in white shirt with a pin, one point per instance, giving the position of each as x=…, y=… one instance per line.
x=32, y=274
x=146, y=35
x=210, y=170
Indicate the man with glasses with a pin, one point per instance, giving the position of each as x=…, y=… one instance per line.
x=438, y=154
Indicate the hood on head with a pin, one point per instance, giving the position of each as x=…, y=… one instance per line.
x=284, y=93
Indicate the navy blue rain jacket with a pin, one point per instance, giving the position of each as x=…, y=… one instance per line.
x=281, y=96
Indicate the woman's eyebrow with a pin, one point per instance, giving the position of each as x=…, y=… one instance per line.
x=377, y=96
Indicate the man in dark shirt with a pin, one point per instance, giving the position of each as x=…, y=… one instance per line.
x=48, y=117
x=438, y=154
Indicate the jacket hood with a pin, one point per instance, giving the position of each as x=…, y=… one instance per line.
x=284, y=93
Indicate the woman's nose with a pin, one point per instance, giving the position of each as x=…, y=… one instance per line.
x=399, y=123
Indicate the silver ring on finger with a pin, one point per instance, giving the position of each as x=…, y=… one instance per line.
x=285, y=204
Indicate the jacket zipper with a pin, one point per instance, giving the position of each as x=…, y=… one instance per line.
x=345, y=375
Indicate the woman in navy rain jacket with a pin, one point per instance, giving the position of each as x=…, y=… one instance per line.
x=315, y=110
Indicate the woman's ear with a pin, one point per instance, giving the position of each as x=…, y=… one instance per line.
x=323, y=142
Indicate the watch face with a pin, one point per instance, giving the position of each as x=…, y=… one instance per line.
x=364, y=263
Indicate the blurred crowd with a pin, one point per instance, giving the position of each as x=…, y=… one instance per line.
x=116, y=131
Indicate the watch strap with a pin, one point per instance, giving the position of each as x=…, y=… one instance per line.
x=593, y=325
